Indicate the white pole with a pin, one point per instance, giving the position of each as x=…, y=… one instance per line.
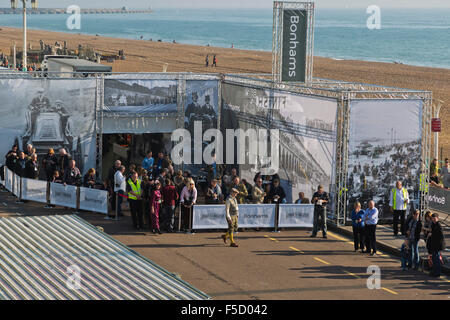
x=24, y=34
x=436, y=135
x=14, y=58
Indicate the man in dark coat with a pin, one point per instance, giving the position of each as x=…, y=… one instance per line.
x=437, y=244
x=32, y=168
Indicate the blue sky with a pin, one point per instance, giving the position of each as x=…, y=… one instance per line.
x=235, y=3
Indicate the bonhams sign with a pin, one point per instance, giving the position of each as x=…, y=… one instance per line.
x=294, y=45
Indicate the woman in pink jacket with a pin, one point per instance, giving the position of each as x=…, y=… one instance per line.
x=155, y=207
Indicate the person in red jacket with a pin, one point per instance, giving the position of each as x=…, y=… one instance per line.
x=170, y=196
x=155, y=207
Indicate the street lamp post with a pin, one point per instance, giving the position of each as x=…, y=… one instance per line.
x=34, y=4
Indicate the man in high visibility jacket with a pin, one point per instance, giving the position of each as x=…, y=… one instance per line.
x=398, y=201
x=135, y=198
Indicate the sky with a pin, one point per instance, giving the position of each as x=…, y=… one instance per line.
x=234, y=3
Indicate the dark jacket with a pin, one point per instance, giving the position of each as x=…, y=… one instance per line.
x=418, y=229
x=31, y=170
x=277, y=191
x=20, y=166
x=437, y=241
x=50, y=164
x=63, y=162
x=72, y=177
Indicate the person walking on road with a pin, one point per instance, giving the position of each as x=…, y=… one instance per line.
x=320, y=200
x=358, y=227
x=232, y=215
x=135, y=198
x=207, y=61
x=437, y=244
x=371, y=221
x=413, y=234
x=398, y=201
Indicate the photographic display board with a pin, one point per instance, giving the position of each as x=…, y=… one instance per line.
x=384, y=147
x=49, y=113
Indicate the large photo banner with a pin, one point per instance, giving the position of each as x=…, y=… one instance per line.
x=304, y=128
x=56, y=113
x=34, y=190
x=140, y=97
x=201, y=113
x=94, y=200
x=250, y=216
x=384, y=147
x=64, y=196
x=295, y=215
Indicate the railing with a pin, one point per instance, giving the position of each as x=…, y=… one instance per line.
x=78, y=198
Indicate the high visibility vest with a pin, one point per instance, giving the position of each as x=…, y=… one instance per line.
x=394, y=197
x=136, y=188
x=423, y=185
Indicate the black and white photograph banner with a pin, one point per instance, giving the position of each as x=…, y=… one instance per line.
x=94, y=200
x=34, y=190
x=57, y=113
x=295, y=215
x=384, y=147
x=126, y=97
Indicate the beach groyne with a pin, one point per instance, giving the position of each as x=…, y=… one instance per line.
x=82, y=11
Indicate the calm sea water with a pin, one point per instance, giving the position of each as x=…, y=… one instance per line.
x=415, y=37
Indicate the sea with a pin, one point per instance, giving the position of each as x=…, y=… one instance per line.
x=418, y=37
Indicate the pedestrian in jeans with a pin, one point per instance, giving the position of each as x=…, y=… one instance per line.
x=120, y=186
x=437, y=244
x=320, y=200
x=413, y=234
x=371, y=221
x=358, y=227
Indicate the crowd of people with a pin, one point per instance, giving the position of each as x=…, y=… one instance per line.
x=4, y=62
x=154, y=190
x=412, y=228
x=440, y=177
x=55, y=168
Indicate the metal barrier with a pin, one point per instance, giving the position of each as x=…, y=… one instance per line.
x=55, y=194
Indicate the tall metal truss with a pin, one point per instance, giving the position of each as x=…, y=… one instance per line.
x=277, y=31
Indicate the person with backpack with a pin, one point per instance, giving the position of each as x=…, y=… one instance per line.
x=437, y=244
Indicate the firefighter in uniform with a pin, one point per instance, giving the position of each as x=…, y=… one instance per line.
x=232, y=215
x=135, y=198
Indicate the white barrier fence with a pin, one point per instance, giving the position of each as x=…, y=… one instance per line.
x=295, y=215
x=34, y=190
x=60, y=195
x=254, y=216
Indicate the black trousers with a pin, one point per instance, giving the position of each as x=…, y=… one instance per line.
x=358, y=237
x=185, y=214
x=137, y=213
x=399, y=215
x=371, y=239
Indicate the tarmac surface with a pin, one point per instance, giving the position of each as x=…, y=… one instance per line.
x=288, y=265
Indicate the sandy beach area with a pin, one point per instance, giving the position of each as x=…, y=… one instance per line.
x=150, y=56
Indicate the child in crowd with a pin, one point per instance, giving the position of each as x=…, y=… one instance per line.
x=405, y=255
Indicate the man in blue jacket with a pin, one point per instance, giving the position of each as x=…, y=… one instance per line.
x=148, y=163
x=358, y=227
